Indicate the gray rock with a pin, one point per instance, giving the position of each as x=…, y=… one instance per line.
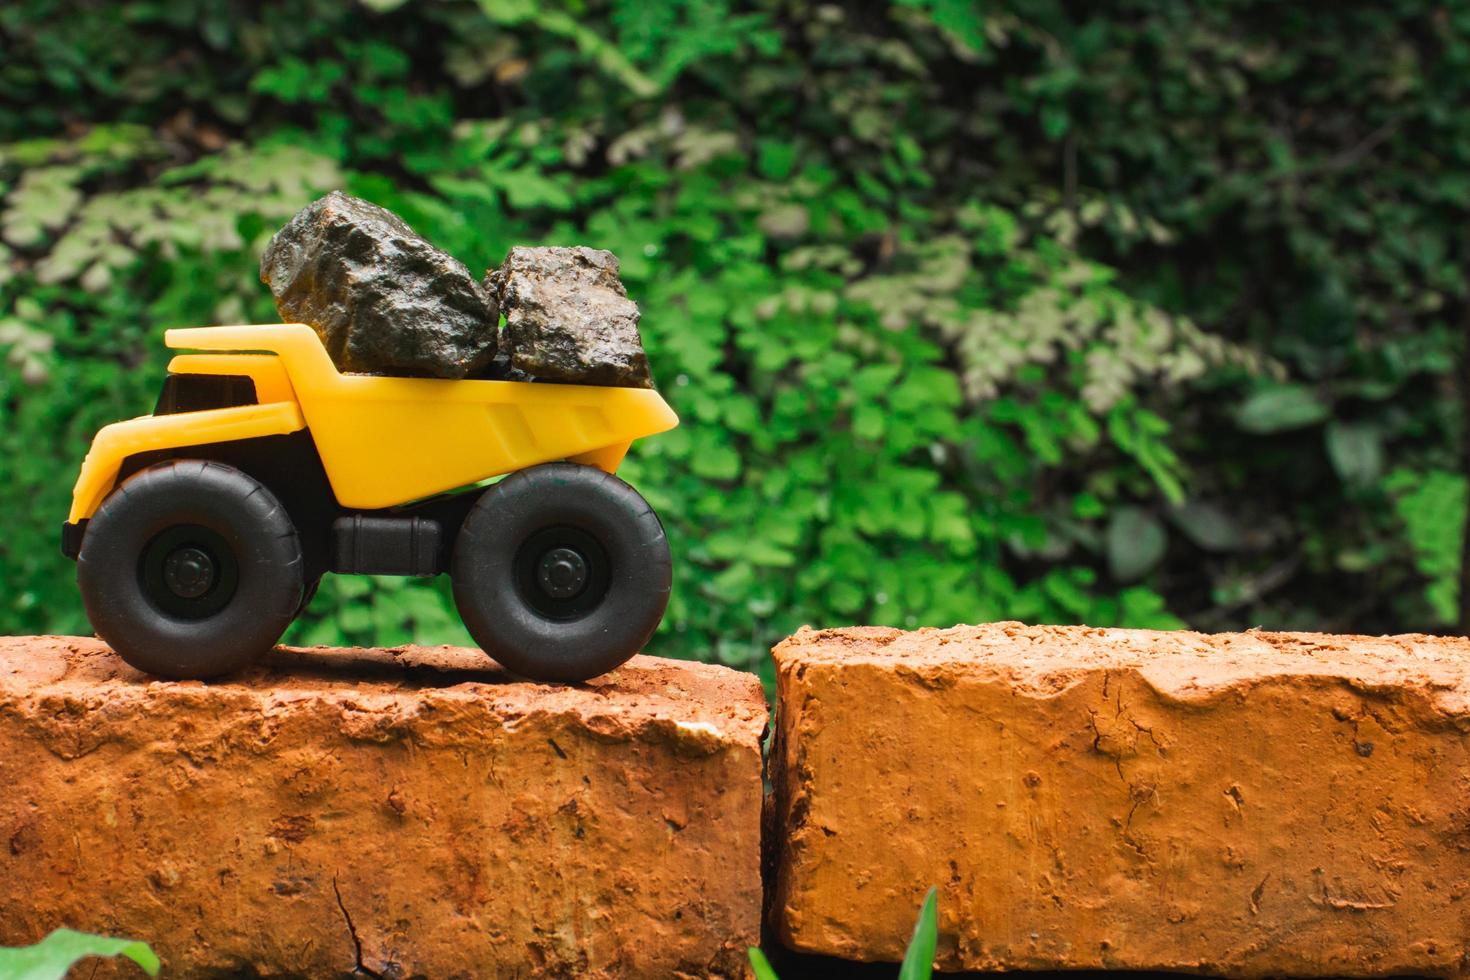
x=384, y=300
x=568, y=317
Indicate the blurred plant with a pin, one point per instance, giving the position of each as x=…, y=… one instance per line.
x=53, y=957
x=1045, y=314
x=1432, y=507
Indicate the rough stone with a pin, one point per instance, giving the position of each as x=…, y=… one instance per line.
x=568, y=317
x=1252, y=804
x=383, y=300
x=395, y=813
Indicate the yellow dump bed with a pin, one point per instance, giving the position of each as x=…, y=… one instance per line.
x=382, y=441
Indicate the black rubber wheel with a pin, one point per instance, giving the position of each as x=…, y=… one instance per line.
x=561, y=572
x=190, y=569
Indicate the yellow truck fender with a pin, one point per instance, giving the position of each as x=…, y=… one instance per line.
x=116, y=442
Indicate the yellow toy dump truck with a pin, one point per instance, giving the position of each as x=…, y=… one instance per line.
x=201, y=531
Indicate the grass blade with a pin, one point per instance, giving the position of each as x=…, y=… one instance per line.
x=760, y=965
x=918, y=961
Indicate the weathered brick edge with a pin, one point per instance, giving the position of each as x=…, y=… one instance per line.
x=1251, y=804
x=408, y=813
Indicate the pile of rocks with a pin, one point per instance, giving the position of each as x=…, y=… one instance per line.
x=386, y=301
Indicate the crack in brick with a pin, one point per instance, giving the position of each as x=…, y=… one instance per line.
x=1139, y=793
x=360, y=967
x=1257, y=892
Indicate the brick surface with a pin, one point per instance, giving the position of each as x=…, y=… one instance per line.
x=1251, y=804
x=399, y=813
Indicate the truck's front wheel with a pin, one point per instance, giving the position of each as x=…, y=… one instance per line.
x=190, y=569
x=561, y=572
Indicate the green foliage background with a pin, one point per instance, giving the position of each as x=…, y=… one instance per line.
x=1149, y=314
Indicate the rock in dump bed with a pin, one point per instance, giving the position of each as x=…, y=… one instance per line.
x=386, y=301
x=568, y=318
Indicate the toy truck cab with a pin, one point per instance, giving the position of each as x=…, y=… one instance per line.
x=201, y=530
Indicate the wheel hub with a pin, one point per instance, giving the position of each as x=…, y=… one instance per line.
x=562, y=573
x=189, y=572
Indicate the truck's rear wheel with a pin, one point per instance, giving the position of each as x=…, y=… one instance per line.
x=307, y=594
x=561, y=572
x=190, y=569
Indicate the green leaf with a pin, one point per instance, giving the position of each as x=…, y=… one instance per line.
x=563, y=24
x=52, y=957
x=294, y=80
x=1088, y=506
x=356, y=617
x=761, y=552
x=874, y=380
x=1145, y=609
x=1054, y=121
x=528, y=188
x=759, y=965
x=1136, y=543
x=1069, y=593
x=775, y=158
x=716, y=463
x=846, y=597
x=1207, y=526
x=918, y=959
x=868, y=421
x=1139, y=433
x=1281, y=408
x=1356, y=451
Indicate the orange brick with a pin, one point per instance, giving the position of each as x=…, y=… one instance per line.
x=413, y=812
x=1250, y=804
